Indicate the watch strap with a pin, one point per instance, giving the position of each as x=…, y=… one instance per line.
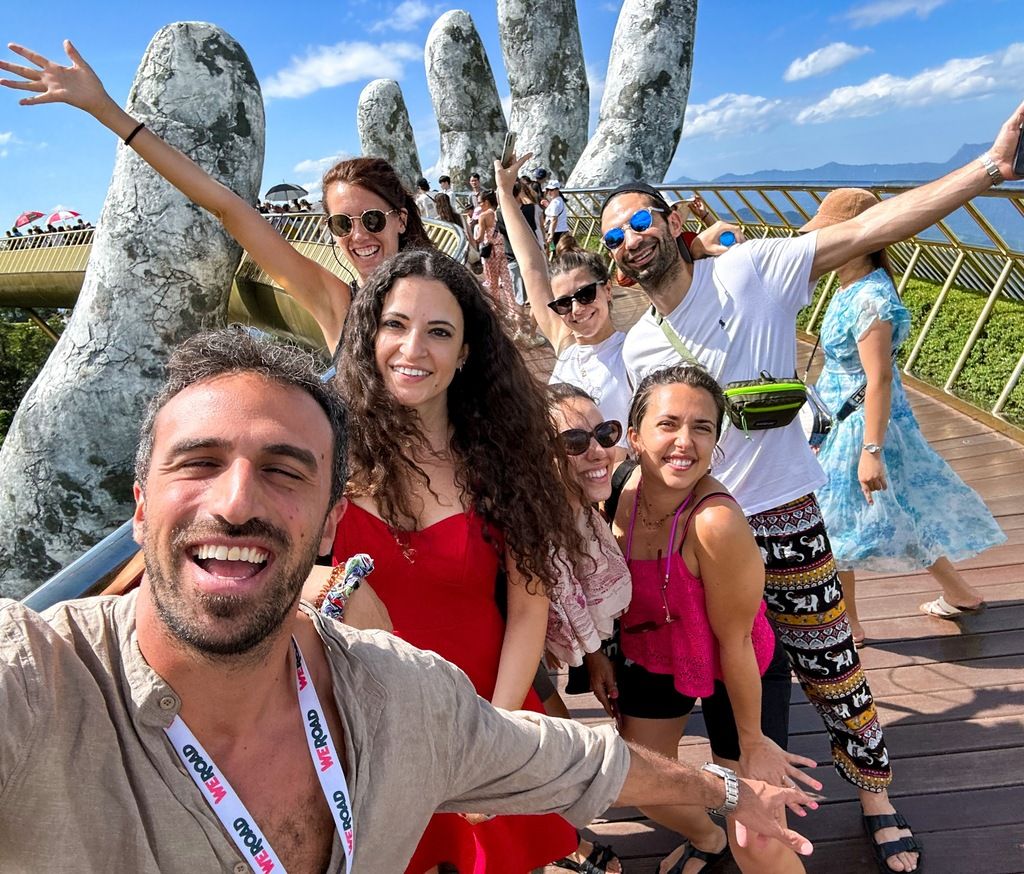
x=732, y=788
x=990, y=167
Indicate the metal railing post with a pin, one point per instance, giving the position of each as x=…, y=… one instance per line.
x=822, y=300
x=986, y=311
x=934, y=312
x=1011, y=384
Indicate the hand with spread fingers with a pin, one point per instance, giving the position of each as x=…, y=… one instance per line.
x=767, y=761
x=76, y=85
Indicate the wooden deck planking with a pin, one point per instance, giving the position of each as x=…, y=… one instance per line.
x=950, y=694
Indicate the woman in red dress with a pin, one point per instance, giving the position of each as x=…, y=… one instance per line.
x=458, y=493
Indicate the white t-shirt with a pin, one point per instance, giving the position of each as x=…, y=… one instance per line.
x=425, y=204
x=556, y=210
x=599, y=370
x=737, y=319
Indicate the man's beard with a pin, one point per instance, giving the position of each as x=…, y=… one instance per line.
x=194, y=618
x=654, y=273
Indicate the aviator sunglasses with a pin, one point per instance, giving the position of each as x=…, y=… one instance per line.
x=373, y=220
x=640, y=221
x=576, y=441
x=584, y=295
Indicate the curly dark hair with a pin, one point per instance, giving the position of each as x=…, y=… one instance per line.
x=504, y=444
x=378, y=176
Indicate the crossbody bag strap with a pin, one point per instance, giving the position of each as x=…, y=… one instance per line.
x=619, y=478
x=855, y=401
x=674, y=338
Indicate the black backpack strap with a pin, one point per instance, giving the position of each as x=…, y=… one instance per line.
x=622, y=473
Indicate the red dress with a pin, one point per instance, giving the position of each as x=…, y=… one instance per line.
x=446, y=591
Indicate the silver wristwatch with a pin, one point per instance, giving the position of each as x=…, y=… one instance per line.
x=873, y=448
x=990, y=167
x=732, y=788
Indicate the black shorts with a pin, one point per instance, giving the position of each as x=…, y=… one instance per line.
x=654, y=696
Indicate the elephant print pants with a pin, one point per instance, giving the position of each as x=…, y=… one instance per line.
x=805, y=604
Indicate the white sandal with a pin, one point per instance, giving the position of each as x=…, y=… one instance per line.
x=942, y=609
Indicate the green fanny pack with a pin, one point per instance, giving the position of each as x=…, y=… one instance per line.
x=760, y=404
x=753, y=404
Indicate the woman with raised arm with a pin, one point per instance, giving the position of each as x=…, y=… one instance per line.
x=696, y=625
x=370, y=215
x=891, y=503
x=458, y=492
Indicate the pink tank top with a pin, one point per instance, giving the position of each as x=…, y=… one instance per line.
x=685, y=647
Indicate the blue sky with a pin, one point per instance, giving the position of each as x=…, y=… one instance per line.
x=784, y=84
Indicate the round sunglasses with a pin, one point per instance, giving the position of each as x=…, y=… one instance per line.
x=372, y=220
x=639, y=222
x=583, y=295
x=576, y=441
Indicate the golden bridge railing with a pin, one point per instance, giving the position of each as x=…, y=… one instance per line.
x=979, y=249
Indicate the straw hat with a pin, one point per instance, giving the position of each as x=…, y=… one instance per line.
x=840, y=205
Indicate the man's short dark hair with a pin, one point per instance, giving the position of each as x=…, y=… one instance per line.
x=474, y=175
x=237, y=349
x=442, y=179
x=422, y=184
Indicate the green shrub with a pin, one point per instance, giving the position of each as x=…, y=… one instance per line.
x=992, y=359
x=23, y=351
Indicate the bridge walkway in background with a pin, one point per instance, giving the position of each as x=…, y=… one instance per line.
x=950, y=694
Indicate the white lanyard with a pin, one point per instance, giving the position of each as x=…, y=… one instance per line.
x=228, y=807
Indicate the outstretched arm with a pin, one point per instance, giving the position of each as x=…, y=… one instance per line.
x=910, y=213
x=533, y=264
x=733, y=575
x=318, y=290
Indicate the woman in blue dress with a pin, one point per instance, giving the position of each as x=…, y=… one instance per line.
x=891, y=503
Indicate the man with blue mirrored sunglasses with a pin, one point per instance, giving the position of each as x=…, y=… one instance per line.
x=736, y=316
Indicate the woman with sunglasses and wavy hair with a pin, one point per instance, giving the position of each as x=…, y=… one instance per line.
x=696, y=625
x=459, y=493
x=588, y=597
x=370, y=214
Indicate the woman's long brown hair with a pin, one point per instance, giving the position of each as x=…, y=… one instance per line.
x=504, y=444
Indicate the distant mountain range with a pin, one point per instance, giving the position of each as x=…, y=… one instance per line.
x=864, y=174
x=1001, y=213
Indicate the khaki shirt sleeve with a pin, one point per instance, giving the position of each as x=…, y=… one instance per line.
x=20, y=709
x=523, y=762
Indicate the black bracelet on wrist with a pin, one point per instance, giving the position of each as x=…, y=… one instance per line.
x=128, y=139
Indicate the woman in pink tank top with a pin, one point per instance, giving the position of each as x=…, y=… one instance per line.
x=696, y=626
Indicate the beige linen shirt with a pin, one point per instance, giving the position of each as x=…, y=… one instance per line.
x=89, y=781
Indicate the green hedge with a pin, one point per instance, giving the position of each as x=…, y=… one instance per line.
x=23, y=351
x=991, y=361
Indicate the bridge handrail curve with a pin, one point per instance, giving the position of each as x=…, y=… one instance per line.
x=979, y=248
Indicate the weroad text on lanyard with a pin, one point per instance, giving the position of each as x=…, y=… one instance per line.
x=228, y=807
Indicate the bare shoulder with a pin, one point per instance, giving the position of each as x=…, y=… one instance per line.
x=719, y=519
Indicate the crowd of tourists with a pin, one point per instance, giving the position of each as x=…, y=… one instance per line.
x=630, y=520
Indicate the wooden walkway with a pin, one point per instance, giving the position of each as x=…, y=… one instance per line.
x=950, y=694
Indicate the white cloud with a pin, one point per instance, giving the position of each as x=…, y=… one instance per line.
x=957, y=79
x=408, y=15
x=6, y=137
x=870, y=14
x=340, y=64
x=318, y=166
x=824, y=60
x=733, y=114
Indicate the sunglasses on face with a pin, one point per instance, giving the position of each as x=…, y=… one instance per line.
x=639, y=222
x=372, y=220
x=582, y=296
x=576, y=441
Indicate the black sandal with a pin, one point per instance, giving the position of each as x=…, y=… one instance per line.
x=710, y=860
x=595, y=863
x=884, y=852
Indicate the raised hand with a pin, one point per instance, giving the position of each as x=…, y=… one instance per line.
x=1005, y=145
x=76, y=85
x=505, y=177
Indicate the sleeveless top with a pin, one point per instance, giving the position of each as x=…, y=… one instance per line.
x=685, y=648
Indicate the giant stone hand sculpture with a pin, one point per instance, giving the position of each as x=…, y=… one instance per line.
x=385, y=131
x=160, y=270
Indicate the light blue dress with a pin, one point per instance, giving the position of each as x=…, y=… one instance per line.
x=928, y=511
